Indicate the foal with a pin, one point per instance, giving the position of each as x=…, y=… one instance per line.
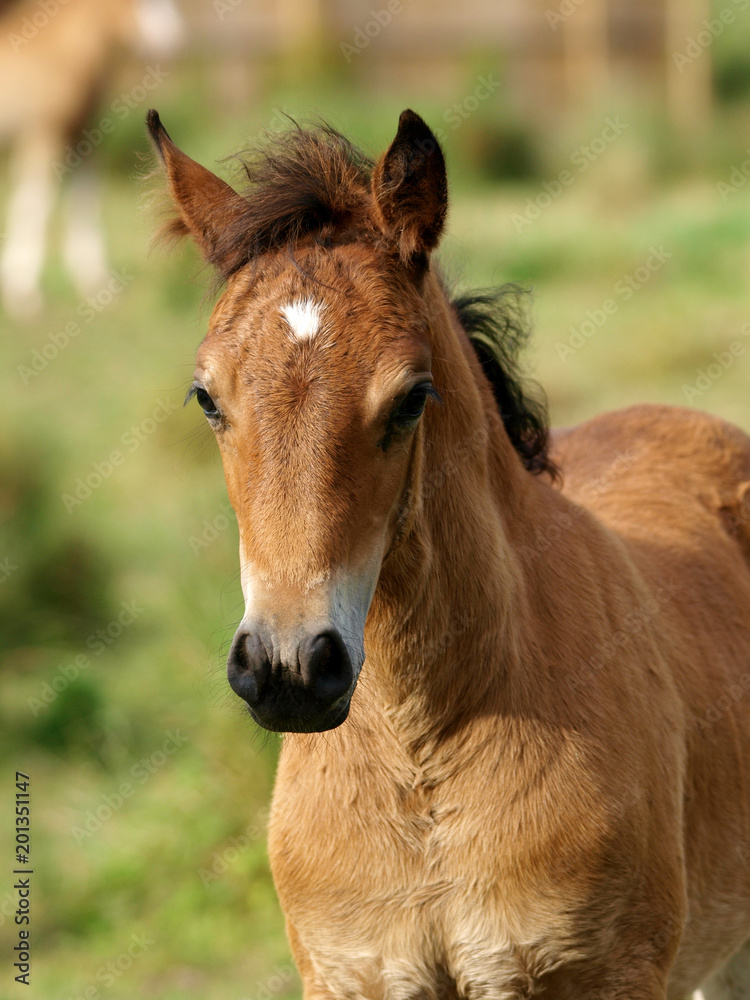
x=535, y=780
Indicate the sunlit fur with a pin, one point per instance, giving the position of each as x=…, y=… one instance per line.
x=542, y=785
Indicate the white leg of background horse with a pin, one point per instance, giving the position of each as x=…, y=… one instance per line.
x=732, y=982
x=83, y=242
x=32, y=193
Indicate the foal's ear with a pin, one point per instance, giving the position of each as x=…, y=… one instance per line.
x=410, y=190
x=209, y=209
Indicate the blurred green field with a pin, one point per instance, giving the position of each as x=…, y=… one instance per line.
x=149, y=783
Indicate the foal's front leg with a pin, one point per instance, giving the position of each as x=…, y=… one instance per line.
x=311, y=989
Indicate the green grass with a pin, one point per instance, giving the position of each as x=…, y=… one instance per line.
x=201, y=808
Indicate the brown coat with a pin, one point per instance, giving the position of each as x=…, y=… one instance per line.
x=540, y=787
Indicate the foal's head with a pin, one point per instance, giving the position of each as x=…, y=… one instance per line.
x=314, y=376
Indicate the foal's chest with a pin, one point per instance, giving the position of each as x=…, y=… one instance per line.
x=395, y=892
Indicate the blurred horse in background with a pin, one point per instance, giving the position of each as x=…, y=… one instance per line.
x=56, y=61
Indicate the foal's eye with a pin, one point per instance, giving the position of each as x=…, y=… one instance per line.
x=411, y=407
x=205, y=402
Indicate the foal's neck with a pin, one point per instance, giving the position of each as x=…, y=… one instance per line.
x=450, y=621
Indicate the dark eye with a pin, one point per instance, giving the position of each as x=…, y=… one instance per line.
x=411, y=406
x=205, y=402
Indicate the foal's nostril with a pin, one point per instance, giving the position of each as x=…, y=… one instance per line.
x=299, y=692
x=248, y=666
x=325, y=666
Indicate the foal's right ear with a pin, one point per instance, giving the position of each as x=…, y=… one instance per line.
x=208, y=207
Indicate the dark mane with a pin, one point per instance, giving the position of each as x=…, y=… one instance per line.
x=495, y=323
x=307, y=181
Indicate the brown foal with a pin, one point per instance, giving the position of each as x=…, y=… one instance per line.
x=528, y=656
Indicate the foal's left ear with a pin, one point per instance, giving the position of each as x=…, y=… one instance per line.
x=410, y=191
x=209, y=209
